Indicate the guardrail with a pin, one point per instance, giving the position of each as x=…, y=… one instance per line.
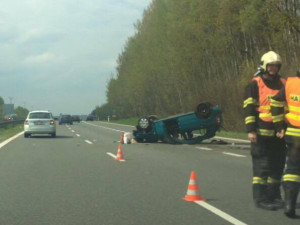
x=12, y=122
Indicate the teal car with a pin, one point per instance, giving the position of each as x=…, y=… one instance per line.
x=181, y=129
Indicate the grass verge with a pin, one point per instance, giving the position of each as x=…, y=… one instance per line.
x=222, y=133
x=9, y=131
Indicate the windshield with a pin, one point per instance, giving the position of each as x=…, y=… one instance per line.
x=39, y=115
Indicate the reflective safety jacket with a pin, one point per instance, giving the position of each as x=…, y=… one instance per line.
x=257, y=108
x=291, y=95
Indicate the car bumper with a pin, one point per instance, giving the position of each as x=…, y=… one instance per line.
x=40, y=130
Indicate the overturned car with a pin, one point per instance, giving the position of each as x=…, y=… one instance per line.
x=180, y=129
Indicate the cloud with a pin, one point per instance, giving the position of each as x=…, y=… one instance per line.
x=45, y=42
x=44, y=58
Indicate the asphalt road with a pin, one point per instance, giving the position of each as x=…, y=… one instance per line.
x=72, y=180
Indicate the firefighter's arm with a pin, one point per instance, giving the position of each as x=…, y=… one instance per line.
x=278, y=103
x=250, y=104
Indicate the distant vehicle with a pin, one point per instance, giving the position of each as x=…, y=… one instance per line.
x=11, y=117
x=65, y=119
x=90, y=118
x=39, y=122
x=76, y=119
x=56, y=117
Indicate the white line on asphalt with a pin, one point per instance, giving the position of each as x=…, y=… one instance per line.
x=233, y=139
x=205, y=149
x=220, y=213
x=103, y=127
x=114, y=156
x=73, y=131
x=87, y=141
x=232, y=154
x=78, y=135
x=10, y=139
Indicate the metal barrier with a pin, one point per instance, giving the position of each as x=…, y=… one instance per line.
x=4, y=124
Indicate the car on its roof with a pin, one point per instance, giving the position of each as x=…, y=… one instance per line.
x=39, y=122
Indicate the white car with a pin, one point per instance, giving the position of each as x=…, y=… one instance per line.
x=39, y=122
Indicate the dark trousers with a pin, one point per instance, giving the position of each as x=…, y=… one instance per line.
x=293, y=159
x=268, y=157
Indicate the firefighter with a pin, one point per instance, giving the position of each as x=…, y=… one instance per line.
x=289, y=94
x=268, y=152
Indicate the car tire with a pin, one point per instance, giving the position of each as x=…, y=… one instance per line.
x=144, y=124
x=203, y=110
x=53, y=135
x=26, y=135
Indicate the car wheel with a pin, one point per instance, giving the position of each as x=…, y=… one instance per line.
x=53, y=135
x=25, y=135
x=144, y=124
x=203, y=110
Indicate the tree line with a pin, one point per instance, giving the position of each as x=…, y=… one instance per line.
x=189, y=51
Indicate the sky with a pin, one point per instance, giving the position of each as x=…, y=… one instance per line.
x=59, y=55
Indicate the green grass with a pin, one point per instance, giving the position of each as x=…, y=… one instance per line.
x=129, y=121
x=10, y=131
x=222, y=133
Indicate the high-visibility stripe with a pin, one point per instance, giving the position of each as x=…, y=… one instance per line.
x=292, y=116
x=278, y=118
x=250, y=101
x=293, y=132
x=249, y=119
x=273, y=181
x=265, y=132
x=294, y=109
x=259, y=180
x=275, y=103
x=264, y=107
x=291, y=177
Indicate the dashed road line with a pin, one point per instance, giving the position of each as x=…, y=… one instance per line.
x=78, y=135
x=204, y=148
x=73, y=131
x=233, y=154
x=87, y=141
x=220, y=213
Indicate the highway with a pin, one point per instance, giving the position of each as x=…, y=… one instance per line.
x=73, y=179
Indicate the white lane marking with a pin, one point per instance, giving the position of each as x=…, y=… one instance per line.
x=117, y=124
x=78, y=135
x=232, y=154
x=220, y=213
x=114, y=156
x=233, y=139
x=72, y=131
x=10, y=139
x=103, y=127
x=205, y=149
x=87, y=141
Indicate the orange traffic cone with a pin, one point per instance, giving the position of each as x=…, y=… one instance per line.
x=120, y=154
x=122, y=138
x=193, y=189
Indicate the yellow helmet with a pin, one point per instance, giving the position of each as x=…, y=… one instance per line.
x=269, y=58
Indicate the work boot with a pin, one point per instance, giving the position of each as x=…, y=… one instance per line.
x=260, y=198
x=291, y=190
x=274, y=195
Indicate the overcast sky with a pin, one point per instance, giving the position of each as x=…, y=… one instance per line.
x=59, y=54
